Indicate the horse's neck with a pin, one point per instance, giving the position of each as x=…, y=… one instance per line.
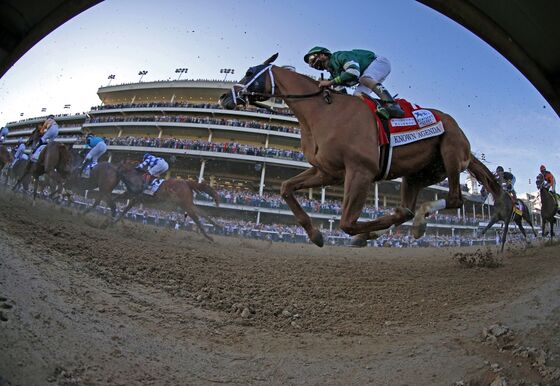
x=292, y=83
x=305, y=109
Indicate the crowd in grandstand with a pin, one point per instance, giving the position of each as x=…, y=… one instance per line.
x=195, y=120
x=196, y=144
x=334, y=207
x=277, y=111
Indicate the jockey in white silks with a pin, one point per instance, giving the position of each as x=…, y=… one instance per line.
x=50, y=129
x=3, y=134
x=97, y=147
x=20, y=152
x=156, y=165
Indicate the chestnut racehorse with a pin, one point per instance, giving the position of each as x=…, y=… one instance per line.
x=339, y=137
x=173, y=193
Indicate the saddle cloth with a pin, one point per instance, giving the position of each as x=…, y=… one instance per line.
x=417, y=124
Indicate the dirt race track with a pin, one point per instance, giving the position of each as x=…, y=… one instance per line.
x=139, y=305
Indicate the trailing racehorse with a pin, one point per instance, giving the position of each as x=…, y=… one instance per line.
x=103, y=176
x=175, y=192
x=53, y=161
x=505, y=209
x=339, y=137
x=5, y=156
x=549, y=206
x=17, y=171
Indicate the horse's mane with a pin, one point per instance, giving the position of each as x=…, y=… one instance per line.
x=303, y=77
x=485, y=177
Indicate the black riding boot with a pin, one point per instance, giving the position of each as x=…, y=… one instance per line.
x=391, y=108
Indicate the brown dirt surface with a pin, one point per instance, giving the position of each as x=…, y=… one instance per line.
x=86, y=304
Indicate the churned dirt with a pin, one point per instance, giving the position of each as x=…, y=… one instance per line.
x=85, y=304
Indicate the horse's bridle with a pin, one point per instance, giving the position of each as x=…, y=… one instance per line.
x=244, y=92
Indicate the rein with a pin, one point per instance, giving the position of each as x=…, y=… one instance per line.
x=245, y=92
x=284, y=96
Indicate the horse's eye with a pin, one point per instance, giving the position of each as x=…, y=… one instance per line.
x=249, y=74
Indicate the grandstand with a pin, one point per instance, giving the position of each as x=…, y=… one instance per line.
x=243, y=154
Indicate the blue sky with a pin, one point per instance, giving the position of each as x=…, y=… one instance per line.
x=435, y=62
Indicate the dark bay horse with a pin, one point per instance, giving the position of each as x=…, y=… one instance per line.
x=339, y=137
x=17, y=171
x=549, y=206
x=504, y=211
x=5, y=156
x=53, y=161
x=103, y=176
x=172, y=193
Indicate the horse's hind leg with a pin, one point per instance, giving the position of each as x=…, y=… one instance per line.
x=492, y=221
x=527, y=218
x=504, y=234
x=189, y=211
x=519, y=223
x=409, y=194
x=310, y=178
x=356, y=186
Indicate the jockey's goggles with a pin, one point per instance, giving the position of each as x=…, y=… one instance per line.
x=315, y=62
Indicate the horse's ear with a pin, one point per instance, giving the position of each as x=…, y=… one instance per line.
x=271, y=59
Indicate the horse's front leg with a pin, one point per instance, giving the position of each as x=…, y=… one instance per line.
x=310, y=178
x=132, y=201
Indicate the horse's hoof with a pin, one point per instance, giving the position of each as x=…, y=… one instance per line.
x=358, y=242
x=317, y=238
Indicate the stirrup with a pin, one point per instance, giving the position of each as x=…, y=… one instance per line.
x=383, y=113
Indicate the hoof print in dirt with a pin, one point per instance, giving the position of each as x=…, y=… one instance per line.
x=4, y=305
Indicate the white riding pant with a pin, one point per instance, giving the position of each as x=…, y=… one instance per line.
x=96, y=152
x=51, y=133
x=159, y=168
x=378, y=71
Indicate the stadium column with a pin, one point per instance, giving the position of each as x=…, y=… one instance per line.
x=261, y=184
x=473, y=211
x=160, y=132
x=376, y=187
x=323, y=192
x=201, y=174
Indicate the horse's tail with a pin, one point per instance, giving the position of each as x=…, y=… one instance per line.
x=205, y=188
x=485, y=177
